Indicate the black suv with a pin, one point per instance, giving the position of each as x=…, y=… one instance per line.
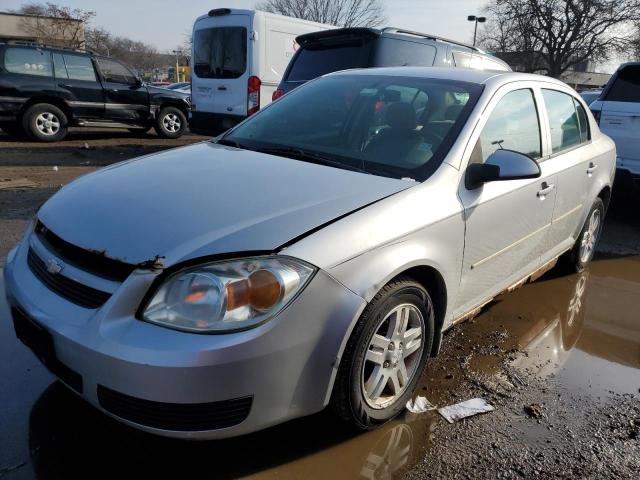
x=44, y=90
x=345, y=48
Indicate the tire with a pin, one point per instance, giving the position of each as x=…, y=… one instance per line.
x=45, y=122
x=580, y=256
x=13, y=129
x=361, y=375
x=171, y=123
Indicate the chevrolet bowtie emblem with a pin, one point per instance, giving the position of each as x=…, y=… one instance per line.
x=53, y=267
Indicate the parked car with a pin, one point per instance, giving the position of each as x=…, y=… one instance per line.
x=44, y=90
x=314, y=254
x=618, y=114
x=238, y=60
x=591, y=96
x=179, y=86
x=346, y=48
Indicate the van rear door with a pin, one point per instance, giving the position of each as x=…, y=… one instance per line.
x=620, y=115
x=221, y=65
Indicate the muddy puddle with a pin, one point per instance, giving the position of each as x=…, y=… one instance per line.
x=571, y=337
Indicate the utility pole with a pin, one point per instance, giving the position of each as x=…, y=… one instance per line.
x=473, y=18
x=177, y=53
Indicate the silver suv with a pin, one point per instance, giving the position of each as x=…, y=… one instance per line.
x=314, y=254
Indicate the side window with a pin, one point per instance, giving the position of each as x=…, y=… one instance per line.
x=28, y=61
x=115, y=72
x=513, y=125
x=462, y=59
x=400, y=53
x=59, y=69
x=563, y=120
x=79, y=67
x=626, y=85
x=585, y=133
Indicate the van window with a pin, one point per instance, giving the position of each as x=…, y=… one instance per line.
x=513, y=125
x=399, y=53
x=563, y=120
x=115, y=72
x=220, y=52
x=28, y=61
x=80, y=68
x=626, y=86
x=318, y=59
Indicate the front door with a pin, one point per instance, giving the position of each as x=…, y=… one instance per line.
x=127, y=99
x=76, y=77
x=506, y=221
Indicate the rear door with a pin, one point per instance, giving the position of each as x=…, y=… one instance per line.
x=221, y=64
x=127, y=99
x=620, y=116
x=76, y=76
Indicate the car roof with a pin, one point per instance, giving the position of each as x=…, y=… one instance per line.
x=456, y=74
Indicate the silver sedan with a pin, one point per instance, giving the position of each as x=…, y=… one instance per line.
x=313, y=255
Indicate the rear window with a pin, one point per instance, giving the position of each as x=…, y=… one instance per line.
x=400, y=53
x=28, y=61
x=220, y=52
x=319, y=59
x=626, y=86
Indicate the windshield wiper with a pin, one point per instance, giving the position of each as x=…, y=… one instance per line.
x=230, y=143
x=311, y=157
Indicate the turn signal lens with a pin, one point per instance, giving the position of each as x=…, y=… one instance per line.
x=266, y=290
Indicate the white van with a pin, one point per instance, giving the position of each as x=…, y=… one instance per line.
x=238, y=59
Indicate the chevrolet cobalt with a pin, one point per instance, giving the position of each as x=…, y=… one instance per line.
x=313, y=255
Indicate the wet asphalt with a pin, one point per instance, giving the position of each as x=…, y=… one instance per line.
x=559, y=359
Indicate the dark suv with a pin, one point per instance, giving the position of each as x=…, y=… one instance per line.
x=44, y=90
x=345, y=48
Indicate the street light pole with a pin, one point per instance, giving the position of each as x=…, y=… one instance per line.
x=473, y=18
x=177, y=52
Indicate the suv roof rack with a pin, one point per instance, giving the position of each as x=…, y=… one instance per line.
x=430, y=37
x=44, y=45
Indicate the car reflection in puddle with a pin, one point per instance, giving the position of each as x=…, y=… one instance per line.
x=580, y=329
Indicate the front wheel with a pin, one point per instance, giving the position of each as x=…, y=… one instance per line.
x=171, y=123
x=385, y=355
x=585, y=247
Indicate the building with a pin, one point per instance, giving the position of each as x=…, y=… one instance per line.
x=50, y=30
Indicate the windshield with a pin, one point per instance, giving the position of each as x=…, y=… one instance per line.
x=399, y=127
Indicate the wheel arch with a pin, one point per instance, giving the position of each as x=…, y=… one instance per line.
x=605, y=196
x=174, y=102
x=55, y=101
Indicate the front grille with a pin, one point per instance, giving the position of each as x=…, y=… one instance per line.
x=89, y=261
x=186, y=417
x=64, y=286
x=39, y=340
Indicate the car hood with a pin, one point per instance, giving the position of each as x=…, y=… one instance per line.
x=165, y=92
x=205, y=199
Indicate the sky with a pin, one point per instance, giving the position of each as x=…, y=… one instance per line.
x=164, y=23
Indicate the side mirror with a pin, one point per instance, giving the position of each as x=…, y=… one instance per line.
x=501, y=165
x=138, y=83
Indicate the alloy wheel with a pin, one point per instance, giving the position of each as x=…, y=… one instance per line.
x=171, y=123
x=393, y=356
x=47, y=123
x=590, y=237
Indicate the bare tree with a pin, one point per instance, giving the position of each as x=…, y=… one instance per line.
x=56, y=25
x=341, y=13
x=557, y=35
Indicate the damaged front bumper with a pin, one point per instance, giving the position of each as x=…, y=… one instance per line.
x=176, y=383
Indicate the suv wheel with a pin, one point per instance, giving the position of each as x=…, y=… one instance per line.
x=45, y=122
x=385, y=356
x=171, y=123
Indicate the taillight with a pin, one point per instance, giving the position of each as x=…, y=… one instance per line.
x=596, y=115
x=253, y=100
x=277, y=94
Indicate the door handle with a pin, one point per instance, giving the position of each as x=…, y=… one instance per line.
x=65, y=85
x=546, y=189
x=222, y=88
x=592, y=168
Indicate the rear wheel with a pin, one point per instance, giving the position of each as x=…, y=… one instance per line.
x=585, y=247
x=45, y=122
x=385, y=356
x=171, y=123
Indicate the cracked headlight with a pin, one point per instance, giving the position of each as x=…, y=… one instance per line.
x=228, y=295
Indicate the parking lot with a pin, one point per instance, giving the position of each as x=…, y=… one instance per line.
x=559, y=359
